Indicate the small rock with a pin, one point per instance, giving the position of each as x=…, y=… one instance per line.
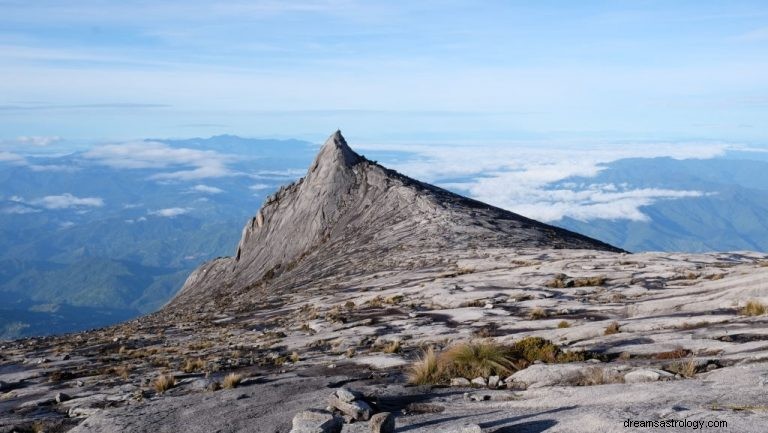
x=80, y=383
x=460, y=381
x=383, y=422
x=594, y=361
x=358, y=410
x=479, y=381
x=469, y=428
x=493, y=381
x=83, y=412
x=61, y=397
x=316, y=421
x=647, y=375
x=347, y=395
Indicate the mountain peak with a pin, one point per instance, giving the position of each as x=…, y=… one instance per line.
x=349, y=214
x=336, y=153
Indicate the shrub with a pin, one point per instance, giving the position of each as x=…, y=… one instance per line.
x=687, y=368
x=563, y=324
x=192, y=365
x=589, y=281
x=295, y=357
x=164, y=382
x=232, y=380
x=598, y=376
x=537, y=313
x=483, y=359
x=478, y=359
x=754, y=308
x=392, y=347
x=426, y=369
x=612, y=328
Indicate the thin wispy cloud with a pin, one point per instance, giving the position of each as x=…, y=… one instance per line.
x=170, y=212
x=190, y=164
x=62, y=201
x=207, y=189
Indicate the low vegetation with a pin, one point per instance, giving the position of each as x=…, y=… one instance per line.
x=612, y=328
x=232, y=380
x=163, y=383
x=193, y=365
x=563, y=324
x=487, y=358
x=754, y=308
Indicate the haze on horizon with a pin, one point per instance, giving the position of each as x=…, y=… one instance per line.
x=385, y=72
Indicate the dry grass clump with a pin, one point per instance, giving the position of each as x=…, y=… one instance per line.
x=394, y=299
x=295, y=357
x=537, y=313
x=122, y=371
x=200, y=345
x=481, y=359
x=376, y=302
x=673, y=354
x=687, y=368
x=612, y=328
x=589, y=281
x=486, y=358
x=426, y=370
x=232, y=380
x=563, y=324
x=192, y=365
x=392, y=347
x=754, y=308
x=163, y=383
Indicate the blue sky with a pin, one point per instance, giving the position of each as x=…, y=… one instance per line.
x=385, y=72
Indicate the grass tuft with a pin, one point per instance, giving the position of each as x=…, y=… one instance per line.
x=164, y=382
x=232, y=380
x=754, y=308
x=426, y=369
x=612, y=328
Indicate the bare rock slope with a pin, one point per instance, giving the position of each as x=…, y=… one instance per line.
x=347, y=206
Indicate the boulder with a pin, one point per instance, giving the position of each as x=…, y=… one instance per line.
x=493, y=381
x=539, y=375
x=316, y=421
x=460, y=381
x=383, y=422
x=479, y=381
x=348, y=395
x=357, y=410
x=61, y=397
x=647, y=375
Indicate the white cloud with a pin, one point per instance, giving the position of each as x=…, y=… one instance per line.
x=170, y=212
x=12, y=158
x=67, y=200
x=259, y=187
x=66, y=224
x=207, y=189
x=522, y=178
x=197, y=164
x=63, y=201
x=40, y=141
x=19, y=210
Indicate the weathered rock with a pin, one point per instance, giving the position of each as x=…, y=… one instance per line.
x=647, y=375
x=357, y=410
x=383, y=422
x=460, y=381
x=539, y=375
x=316, y=421
x=493, y=381
x=479, y=381
x=61, y=397
x=347, y=395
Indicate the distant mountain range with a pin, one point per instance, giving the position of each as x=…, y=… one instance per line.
x=106, y=234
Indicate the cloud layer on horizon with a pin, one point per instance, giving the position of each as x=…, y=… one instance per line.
x=526, y=179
